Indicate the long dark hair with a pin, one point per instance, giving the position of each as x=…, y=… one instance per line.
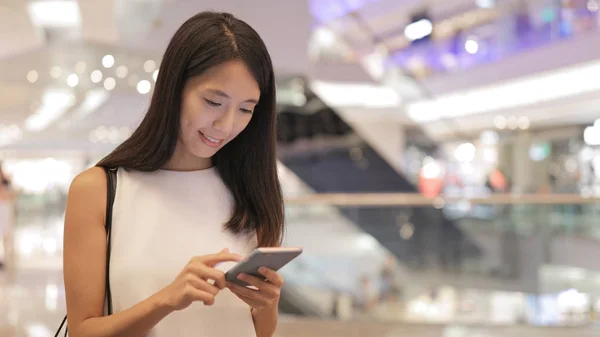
x=248, y=164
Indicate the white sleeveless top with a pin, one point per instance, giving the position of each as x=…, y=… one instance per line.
x=160, y=221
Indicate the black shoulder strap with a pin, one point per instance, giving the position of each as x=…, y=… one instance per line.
x=111, y=191
x=111, y=178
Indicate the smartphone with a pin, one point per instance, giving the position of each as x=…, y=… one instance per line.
x=272, y=258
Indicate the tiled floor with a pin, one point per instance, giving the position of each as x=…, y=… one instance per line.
x=31, y=291
x=32, y=302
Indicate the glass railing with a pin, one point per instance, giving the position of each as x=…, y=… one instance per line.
x=524, y=213
x=484, y=262
x=480, y=260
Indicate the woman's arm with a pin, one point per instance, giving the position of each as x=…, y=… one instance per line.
x=265, y=320
x=85, y=263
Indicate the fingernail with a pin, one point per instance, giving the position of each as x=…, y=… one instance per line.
x=262, y=269
x=241, y=276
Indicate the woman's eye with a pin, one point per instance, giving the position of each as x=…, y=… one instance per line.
x=211, y=103
x=247, y=111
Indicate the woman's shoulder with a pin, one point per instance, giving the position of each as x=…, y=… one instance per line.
x=87, y=195
x=90, y=185
x=91, y=179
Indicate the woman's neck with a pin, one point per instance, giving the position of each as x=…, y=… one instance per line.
x=184, y=161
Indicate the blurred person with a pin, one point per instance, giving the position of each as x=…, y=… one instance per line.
x=390, y=287
x=368, y=295
x=7, y=218
x=197, y=187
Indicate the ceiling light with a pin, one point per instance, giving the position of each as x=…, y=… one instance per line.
x=500, y=122
x=471, y=46
x=591, y=135
x=489, y=138
x=367, y=242
x=96, y=76
x=109, y=135
x=32, y=76
x=418, y=30
x=523, y=123
x=449, y=60
x=54, y=13
x=490, y=155
x=431, y=169
x=9, y=134
x=593, y=5
x=91, y=102
x=143, y=87
x=54, y=104
x=55, y=72
x=108, y=61
x=324, y=37
x=406, y=231
x=149, y=66
x=80, y=67
x=374, y=64
x=109, y=83
x=73, y=80
x=465, y=152
x=485, y=3
x=155, y=75
x=439, y=203
x=122, y=72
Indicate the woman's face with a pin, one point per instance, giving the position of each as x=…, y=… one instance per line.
x=216, y=106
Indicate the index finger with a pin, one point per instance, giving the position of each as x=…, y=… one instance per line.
x=212, y=259
x=271, y=275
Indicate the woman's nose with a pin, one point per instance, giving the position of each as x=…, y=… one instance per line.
x=224, y=123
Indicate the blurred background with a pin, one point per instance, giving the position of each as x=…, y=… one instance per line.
x=440, y=159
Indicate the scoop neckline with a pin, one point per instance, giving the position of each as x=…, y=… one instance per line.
x=212, y=168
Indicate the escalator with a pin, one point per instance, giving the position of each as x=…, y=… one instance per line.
x=293, y=301
x=307, y=291
x=327, y=155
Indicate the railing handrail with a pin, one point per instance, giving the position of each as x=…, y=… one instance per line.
x=414, y=199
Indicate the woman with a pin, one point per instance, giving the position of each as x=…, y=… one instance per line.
x=7, y=218
x=196, y=186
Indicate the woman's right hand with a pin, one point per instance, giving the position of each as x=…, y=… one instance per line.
x=193, y=282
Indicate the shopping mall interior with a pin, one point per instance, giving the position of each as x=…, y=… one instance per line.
x=439, y=159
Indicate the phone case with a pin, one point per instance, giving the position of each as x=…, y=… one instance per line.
x=271, y=259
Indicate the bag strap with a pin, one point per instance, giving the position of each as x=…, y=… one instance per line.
x=111, y=175
x=111, y=191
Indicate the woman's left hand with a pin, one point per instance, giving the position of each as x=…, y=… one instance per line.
x=267, y=293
